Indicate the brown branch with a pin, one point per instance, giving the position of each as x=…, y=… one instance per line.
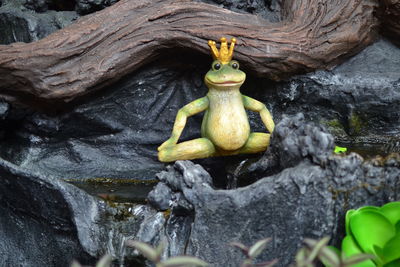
x=390, y=17
x=100, y=48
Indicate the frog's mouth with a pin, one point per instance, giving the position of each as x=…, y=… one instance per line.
x=225, y=83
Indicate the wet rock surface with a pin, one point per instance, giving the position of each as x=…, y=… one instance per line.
x=114, y=136
x=47, y=222
x=282, y=205
x=89, y=6
x=19, y=24
x=194, y=216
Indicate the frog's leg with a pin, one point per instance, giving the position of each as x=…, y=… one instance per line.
x=257, y=142
x=193, y=149
x=257, y=106
x=170, y=150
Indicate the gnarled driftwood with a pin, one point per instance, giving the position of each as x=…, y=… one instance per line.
x=102, y=47
x=390, y=16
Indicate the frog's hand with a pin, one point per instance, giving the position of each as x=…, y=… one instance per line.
x=257, y=106
x=190, y=109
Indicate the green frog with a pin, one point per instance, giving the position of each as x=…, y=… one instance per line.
x=225, y=129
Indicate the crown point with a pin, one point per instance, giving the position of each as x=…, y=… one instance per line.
x=224, y=54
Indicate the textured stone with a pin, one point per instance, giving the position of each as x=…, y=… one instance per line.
x=89, y=6
x=17, y=24
x=283, y=205
x=160, y=197
x=47, y=222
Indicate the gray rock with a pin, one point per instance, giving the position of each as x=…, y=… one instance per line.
x=89, y=6
x=160, y=197
x=37, y=5
x=44, y=5
x=358, y=101
x=18, y=24
x=309, y=199
x=47, y=222
x=203, y=220
x=4, y=109
x=115, y=135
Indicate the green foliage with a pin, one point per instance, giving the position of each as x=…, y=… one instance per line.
x=252, y=252
x=339, y=150
x=374, y=230
x=154, y=255
x=315, y=251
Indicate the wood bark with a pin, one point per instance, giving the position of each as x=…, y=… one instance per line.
x=102, y=47
x=390, y=16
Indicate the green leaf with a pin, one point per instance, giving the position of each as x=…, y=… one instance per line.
x=370, y=228
x=315, y=246
x=360, y=260
x=105, y=261
x=75, y=264
x=258, y=247
x=267, y=264
x=349, y=213
x=350, y=248
x=391, y=211
x=301, y=257
x=160, y=248
x=391, y=251
x=240, y=246
x=330, y=256
x=181, y=261
x=339, y=149
x=147, y=251
x=395, y=263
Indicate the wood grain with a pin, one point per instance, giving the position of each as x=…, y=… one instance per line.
x=102, y=47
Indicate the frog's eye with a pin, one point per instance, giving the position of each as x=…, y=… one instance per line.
x=235, y=65
x=216, y=66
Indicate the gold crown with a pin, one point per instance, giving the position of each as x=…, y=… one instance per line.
x=224, y=54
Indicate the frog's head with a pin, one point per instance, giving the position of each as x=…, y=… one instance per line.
x=222, y=76
x=224, y=72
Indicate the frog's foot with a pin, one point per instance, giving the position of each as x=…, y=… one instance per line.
x=193, y=149
x=257, y=142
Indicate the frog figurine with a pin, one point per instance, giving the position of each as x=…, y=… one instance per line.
x=225, y=129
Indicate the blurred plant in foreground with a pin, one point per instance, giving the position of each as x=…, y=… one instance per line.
x=154, y=255
x=252, y=252
x=315, y=251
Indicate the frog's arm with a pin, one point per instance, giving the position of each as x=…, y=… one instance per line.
x=255, y=105
x=190, y=109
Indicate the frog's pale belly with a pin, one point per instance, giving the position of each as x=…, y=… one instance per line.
x=227, y=125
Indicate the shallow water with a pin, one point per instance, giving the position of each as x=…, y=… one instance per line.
x=115, y=190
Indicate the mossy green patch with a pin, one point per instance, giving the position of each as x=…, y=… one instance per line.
x=335, y=127
x=356, y=124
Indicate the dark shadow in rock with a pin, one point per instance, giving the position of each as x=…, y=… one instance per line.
x=113, y=134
